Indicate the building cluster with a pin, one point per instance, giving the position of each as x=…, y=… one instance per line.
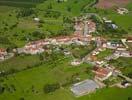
x=38, y=46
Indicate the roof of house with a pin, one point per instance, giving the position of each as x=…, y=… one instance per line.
x=101, y=72
x=2, y=50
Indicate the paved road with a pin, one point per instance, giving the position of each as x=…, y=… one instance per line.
x=127, y=78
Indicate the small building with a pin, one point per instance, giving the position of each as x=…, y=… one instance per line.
x=114, y=26
x=102, y=73
x=76, y=62
x=84, y=87
x=122, y=11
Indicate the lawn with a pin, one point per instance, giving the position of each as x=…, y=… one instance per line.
x=124, y=64
x=123, y=21
x=104, y=54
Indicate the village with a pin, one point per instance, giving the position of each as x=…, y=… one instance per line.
x=83, y=36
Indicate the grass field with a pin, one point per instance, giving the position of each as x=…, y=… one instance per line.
x=19, y=62
x=124, y=64
x=123, y=21
x=104, y=54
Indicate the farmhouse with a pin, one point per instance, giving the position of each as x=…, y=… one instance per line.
x=102, y=73
x=84, y=87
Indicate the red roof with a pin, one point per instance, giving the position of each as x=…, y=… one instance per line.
x=101, y=72
x=2, y=50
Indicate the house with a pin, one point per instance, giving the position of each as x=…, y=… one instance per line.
x=122, y=11
x=121, y=48
x=106, y=20
x=84, y=87
x=129, y=39
x=102, y=73
x=76, y=62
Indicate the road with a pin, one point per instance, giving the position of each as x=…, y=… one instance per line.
x=125, y=77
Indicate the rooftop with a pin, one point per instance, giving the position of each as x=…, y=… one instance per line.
x=84, y=87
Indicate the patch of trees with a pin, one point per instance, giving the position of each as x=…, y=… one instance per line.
x=38, y=35
x=24, y=12
x=48, y=88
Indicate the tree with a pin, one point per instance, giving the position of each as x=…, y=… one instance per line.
x=129, y=98
x=1, y=89
x=22, y=98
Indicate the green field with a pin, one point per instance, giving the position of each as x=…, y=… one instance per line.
x=124, y=64
x=19, y=63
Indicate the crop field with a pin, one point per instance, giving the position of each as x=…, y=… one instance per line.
x=111, y=3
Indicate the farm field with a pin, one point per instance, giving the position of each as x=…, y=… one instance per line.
x=19, y=63
x=106, y=4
